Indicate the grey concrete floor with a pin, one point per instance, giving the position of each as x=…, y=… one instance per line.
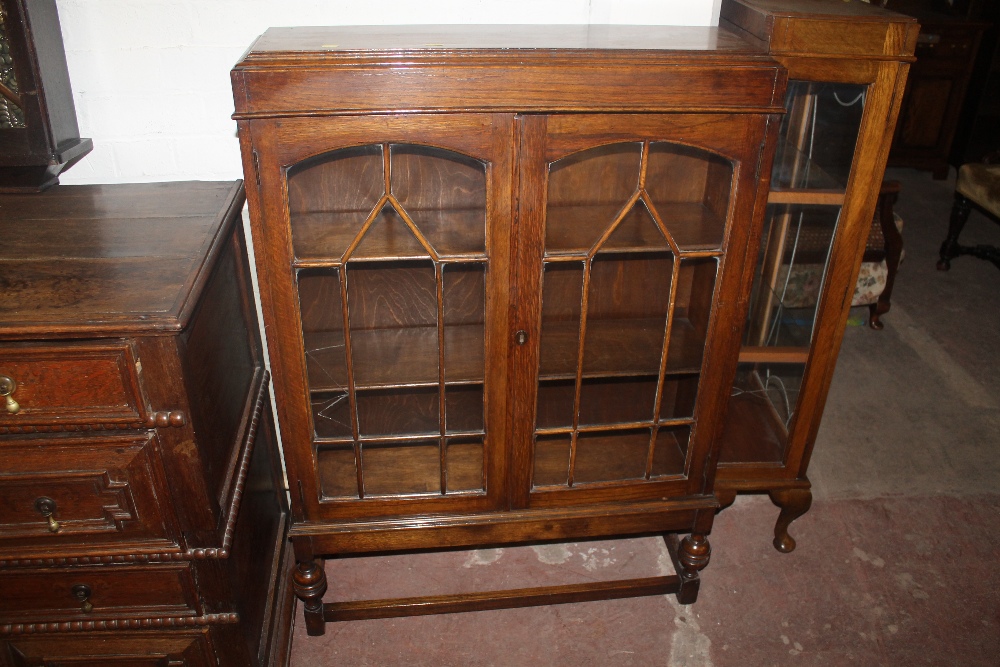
x=914, y=409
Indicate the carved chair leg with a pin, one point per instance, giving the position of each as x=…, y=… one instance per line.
x=309, y=583
x=893, y=253
x=959, y=215
x=693, y=553
x=793, y=503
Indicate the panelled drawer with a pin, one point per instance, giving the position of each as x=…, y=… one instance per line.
x=190, y=648
x=68, y=494
x=38, y=595
x=66, y=384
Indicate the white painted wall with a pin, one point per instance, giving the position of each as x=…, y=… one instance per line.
x=151, y=77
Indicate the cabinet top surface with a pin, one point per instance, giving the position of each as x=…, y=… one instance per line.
x=522, y=41
x=108, y=259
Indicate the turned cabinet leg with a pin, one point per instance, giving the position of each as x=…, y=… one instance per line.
x=959, y=215
x=693, y=554
x=309, y=583
x=793, y=503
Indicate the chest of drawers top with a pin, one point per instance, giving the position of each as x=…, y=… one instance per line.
x=108, y=259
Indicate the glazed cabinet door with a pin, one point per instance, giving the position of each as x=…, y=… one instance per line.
x=625, y=284
x=387, y=242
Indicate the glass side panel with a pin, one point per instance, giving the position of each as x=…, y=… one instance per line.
x=621, y=221
x=11, y=112
x=812, y=166
x=763, y=403
x=795, y=248
x=391, y=241
x=818, y=135
x=690, y=190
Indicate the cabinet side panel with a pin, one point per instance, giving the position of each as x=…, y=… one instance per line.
x=254, y=568
x=220, y=357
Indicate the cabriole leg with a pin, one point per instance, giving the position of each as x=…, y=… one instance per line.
x=793, y=503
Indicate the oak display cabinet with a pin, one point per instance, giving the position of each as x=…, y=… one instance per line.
x=847, y=65
x=503, y=273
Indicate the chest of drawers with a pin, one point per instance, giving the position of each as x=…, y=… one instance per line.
x=142, y=516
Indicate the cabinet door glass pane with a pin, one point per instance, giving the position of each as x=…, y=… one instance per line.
x=625, y=310
x=690, y=189
x=390, y=240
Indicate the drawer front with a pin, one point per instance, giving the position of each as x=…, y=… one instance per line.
x=62, y=494
x=70, y=384
x=37, y=595
x=132, y=649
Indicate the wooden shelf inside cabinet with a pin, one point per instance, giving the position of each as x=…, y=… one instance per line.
x=453, y=234
x=620, y=348
x=403, y=357
x=493, y=310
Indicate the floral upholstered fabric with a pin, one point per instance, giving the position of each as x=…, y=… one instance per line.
x=806, y=280
x=981, y=184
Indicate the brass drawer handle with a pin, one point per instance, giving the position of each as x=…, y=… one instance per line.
x=82, y=593
x=47, y=508
x=7, y=387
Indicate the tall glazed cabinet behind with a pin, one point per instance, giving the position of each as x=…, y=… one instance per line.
x=847, y=65
x=502, y=273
